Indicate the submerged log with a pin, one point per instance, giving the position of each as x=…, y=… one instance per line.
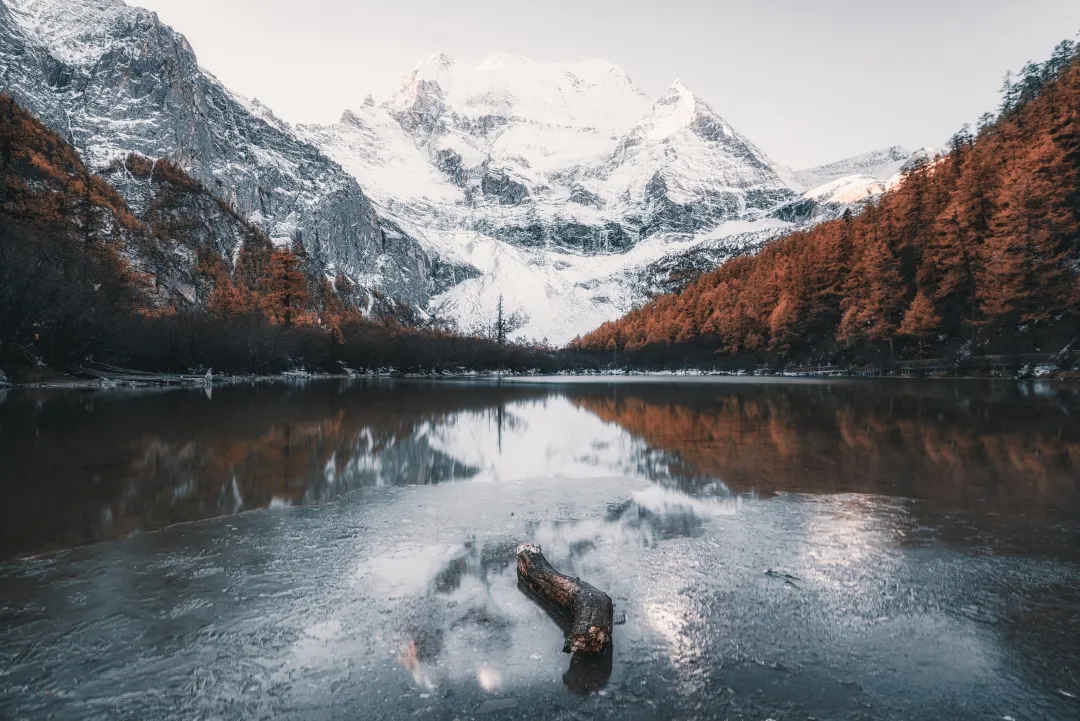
x=589, y=611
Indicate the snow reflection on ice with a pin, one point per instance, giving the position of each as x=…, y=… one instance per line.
x=534, y=439
x=488, y=678
x=406, y=569
x=452, y=614
x=465, y=620
x=316, y=643
x=847, y=534
x=666, y=501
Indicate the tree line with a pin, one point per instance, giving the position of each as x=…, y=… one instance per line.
x=977, y=251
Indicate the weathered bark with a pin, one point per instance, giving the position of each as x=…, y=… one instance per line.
x=588, y=610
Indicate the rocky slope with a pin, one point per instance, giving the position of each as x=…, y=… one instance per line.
x=113, y=79
x=46, y=189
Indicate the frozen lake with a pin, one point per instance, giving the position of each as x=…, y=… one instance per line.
x=344, y=550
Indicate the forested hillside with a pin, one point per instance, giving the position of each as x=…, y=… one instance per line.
x=976, y=252
x=180, y=282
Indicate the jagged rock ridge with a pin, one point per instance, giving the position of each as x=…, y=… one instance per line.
x=113, y=79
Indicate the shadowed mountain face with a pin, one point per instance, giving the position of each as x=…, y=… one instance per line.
x=98, y=465
x=114, y=80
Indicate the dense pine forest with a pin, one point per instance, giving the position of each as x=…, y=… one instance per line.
x=975, y=253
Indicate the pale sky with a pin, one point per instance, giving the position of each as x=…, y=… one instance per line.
x=809, y=81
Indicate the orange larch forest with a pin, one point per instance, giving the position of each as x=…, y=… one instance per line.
x=979, y=248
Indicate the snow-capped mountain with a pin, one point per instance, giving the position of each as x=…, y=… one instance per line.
x=570, y=155
x=114, y=80
x=569, y=191
x=561, y=188
x=371, y=145
x=882, y=164
x=856, y=180
x=684, y=169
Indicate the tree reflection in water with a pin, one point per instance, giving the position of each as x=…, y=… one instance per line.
x=956, y=444
x=85, y=467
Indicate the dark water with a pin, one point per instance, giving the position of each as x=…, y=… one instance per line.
x=783, y=550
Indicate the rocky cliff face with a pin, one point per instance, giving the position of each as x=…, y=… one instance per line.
x=45, y=186
x=67, y=231
x=28, y=71
x=114, y=80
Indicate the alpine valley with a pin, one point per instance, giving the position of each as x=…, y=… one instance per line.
x=560, y=191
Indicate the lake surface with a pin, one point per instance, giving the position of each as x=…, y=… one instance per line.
x=345, y=550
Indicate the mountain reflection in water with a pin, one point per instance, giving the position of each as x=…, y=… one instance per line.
x=884, y=550
x=85, y=467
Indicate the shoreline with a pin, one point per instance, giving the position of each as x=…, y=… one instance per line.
x=73, y=383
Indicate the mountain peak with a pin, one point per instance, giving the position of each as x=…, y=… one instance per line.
x=680, y=98
x=588, y=94
x=437, y=68
x=679, y=88
x=677, y=109
x=351, y=117
x=436, y=60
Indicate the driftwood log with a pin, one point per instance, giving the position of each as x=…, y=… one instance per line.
x=589, y=611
